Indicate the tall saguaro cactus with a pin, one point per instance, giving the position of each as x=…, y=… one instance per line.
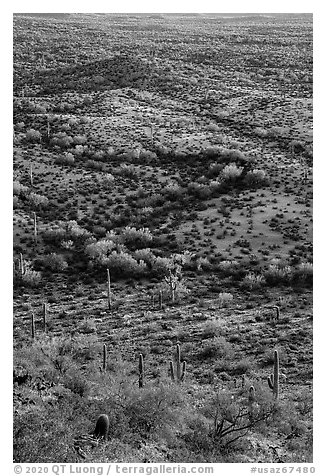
x=104, y=357
x=35, y=227
x=274, y=378
x=180, y=372
x=33, y=325
x=31, y=174
x=44, y=316
x=21, y=264
x=109, y=289
x=251, y=401
x=141, y=371
x=48, y=127
x=160, y=298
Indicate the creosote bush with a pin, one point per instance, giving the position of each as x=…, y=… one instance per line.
x=54, y=262
x=230, y=173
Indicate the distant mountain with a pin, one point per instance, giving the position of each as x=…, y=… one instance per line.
x=45, y=15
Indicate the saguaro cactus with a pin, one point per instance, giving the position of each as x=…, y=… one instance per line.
x=44, y=315
x=48, y=127
x=33, y=325
x=274, y=379
x=35, y=227
x=152, y=298
x=21, y=264
x=109, y=289
x=31, y=174
x=141, y=371
x=180, y=373
x=251, y=401
x=104, y=357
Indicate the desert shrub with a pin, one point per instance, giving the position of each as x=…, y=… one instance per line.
x=100, y=249
x=203, y=264
x=54, y=235
x=54, y=262
x=260, y=132
x=33, y=136
x=215, y=186
x=67, y=244
x=224, y=299
x=76, y=232
x=135, y=238
x=253, y=281
x=212, y=151
x=37, y=200
x=20, y=126
x=146, y=255
x=66, y=159
x=276, y=132
x=304, y=272
x=173, y=191
x=128, y=171
x=20, y=189
x=155, y=200
x=256, y=178
x=162, y=266
x=62, y=140
x=230, y=173
x=147, y=155
x=15, y=202
x=214, y=169
x=210, y=329
x=31, y=278
x=218, y=347
x=93, y=164
x=229, y=267
x=79, y=150
x=146, y=211
x=65, y=231
x=107, y=180
x=199, y=190
x=278, y=273
x=156, y=410
x=233, y=154
x=213, y=127
x=79, y=140
x=121, y=264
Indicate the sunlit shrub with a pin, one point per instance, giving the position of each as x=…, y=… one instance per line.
x=256, y=178
x=33, y=136
x=224, y=299
x=253, y=281
x=20, y=189
x=37, y=200
x=121, y=264
x=100, y=249
x=231, y=172
x=54, y=262
x=135, y=238
x=278, y=274
x=31, y=278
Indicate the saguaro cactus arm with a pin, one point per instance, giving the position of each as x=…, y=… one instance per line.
x=104, y=357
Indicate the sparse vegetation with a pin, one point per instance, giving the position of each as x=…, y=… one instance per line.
x=162, y=238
